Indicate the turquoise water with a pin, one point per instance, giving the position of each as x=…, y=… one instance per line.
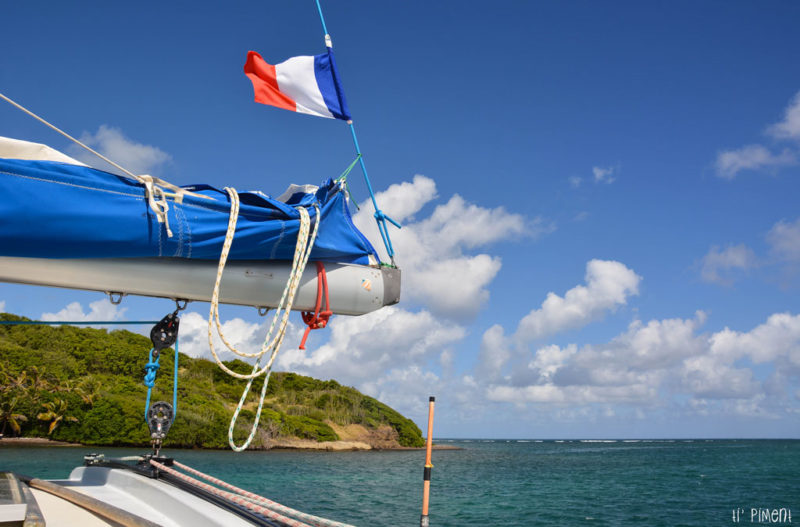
x=503, y=483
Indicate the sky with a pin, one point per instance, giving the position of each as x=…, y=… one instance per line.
x=601, y=232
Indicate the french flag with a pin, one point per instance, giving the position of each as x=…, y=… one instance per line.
x=303, y=84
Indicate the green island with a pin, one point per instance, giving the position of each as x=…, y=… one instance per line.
x=85, y=385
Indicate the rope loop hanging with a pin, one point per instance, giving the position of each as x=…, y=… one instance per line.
x=318, y=319
x=272, y=343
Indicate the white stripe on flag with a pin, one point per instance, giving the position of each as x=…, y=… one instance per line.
x=297, y=80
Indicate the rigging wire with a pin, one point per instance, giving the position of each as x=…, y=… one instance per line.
x=155, y=194
x=380, y=217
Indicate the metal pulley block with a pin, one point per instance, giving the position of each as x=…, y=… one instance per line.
x=159, y=419
x=165, y=333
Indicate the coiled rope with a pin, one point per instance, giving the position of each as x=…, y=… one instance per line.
x=305, y=243
x=260, y=504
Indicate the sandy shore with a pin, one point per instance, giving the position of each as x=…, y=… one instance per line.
x=33, y=441
x=344, y=446
x=282, y=444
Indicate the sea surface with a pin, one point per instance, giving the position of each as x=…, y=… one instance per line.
x=503, y=482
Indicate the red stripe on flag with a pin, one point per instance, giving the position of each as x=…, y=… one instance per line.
x=265, y=83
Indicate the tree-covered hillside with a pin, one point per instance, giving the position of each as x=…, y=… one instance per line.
x=85, y=385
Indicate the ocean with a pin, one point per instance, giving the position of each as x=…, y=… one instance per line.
x=505, y=482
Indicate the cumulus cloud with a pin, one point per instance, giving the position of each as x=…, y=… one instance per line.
x=604, y=175
x=660, y=363
x=495, y=352
x=575, y=181
x=112, y=143
x=755, y=156
x=98, y=310
x=360, y=350
x=776, y=339
x=437, y=252
x=721, y=265
x=751, y=157
x=246, y=337
x=608, y=286
x=2, y=306
x=408, y=388
x=784, y=240
x=789, y=127
x=571, y=394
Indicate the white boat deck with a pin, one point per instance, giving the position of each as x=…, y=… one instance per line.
x=151, y=499
x=124, y=498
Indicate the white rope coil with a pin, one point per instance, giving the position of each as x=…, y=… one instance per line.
x=305, y=243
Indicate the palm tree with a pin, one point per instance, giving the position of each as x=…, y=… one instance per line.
x=18, y=382
x=3, y=378
x=9, y=416
x=37, y=381
x=56, y=413
x=66, y=386
x=88, y=390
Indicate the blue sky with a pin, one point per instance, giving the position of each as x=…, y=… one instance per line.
x=601, y=237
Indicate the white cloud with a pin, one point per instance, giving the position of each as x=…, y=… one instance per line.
x=435, y=252
x=604, y=175
x=658, y=363
x=751, y=157
x=575, y=181
x=777, y=338
x=407, y=388
x=495, y=352
x=406, y=199
x=362, y=349
x=246, y=337
x=2, y=306
x=99, y=310
x=608, y=285
x=784, y=240
x=135, y=157
x=706, y=378
x=789, y=127
x=571, y=394
x=455, y=286
x=720, y=265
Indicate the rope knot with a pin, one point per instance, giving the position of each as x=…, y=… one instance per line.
x=150, y=377
x=318, y=319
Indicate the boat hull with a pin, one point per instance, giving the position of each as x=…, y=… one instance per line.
x=353, y=289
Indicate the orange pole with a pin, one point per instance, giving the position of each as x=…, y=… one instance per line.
x=426, y=488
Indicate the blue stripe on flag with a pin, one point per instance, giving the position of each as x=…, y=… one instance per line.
x=330, y=86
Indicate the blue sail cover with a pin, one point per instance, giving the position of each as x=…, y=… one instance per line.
x=50, y=209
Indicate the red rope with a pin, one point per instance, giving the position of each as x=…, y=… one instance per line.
x=318, y=319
